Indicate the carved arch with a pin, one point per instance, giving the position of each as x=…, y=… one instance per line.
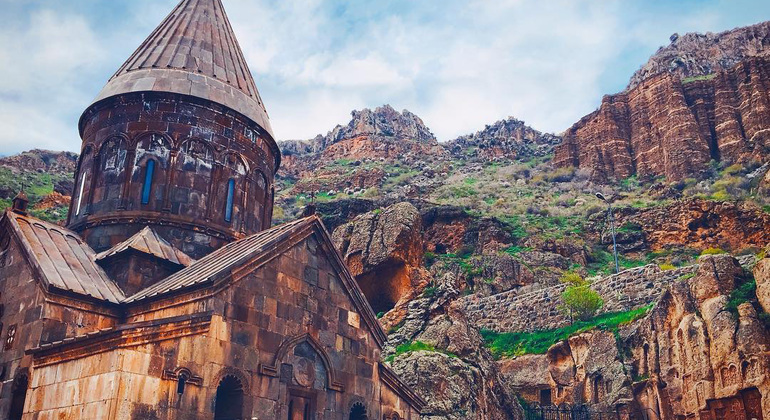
x=234, y=373
x=288, y=344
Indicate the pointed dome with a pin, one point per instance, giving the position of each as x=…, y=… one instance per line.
x=193, y=52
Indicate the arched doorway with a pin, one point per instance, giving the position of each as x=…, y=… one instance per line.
x=229, y=402
x=358, y=412
x=18, y=396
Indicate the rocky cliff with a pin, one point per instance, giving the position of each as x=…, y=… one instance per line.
x=700, y=353
x=38, y=160
x=505, y=139
x=694, y=54
x=673, y=128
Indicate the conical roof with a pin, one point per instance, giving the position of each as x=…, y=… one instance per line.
x=193, y=52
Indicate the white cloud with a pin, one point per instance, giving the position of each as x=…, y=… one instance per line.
x=459, y=64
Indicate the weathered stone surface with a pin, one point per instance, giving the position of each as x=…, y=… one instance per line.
x=384, y=250
x=693, y=356
x=664, y=127
x=762, y=277
x=695, y=54
x=505, y=139
x=694, y=223
x=463, y=384
x=587, y=368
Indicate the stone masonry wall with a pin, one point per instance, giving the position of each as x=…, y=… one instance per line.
x=539, y=310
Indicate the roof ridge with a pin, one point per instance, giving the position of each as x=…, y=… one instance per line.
x=201, y=268
x=154, y=245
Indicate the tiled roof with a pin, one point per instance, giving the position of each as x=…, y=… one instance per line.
x=193, y=52
x=213, y=265
x=62, y=259
x=148, y=242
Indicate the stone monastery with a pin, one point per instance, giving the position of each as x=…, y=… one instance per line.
x=168, y=295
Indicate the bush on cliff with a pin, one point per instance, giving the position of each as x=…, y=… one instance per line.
x=579, y=301
x=509, y=344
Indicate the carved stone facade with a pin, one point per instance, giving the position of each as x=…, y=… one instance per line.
x=170, y=296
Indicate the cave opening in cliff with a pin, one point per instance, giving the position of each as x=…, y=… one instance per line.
x=385, y=287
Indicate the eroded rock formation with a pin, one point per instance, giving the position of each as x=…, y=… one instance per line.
x=697, y=357
x=384, y=251
x=694, y=356
x=459, y=380
x=697, y=224
x=695, y=54
x=509, y=138
x=667, y=127
x=587, y=368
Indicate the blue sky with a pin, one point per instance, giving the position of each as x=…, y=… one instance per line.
x=457, y=64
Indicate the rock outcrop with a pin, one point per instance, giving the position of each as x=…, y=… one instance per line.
x=587, y=368
x=505, y=139
x=38, y=160
x=384, y=251
x=458, y=378
x=696, y=223
x=673, y=128
x=694, y=54
x=696, y=355
x=699, y=354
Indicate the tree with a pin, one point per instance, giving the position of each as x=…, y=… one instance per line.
x=578, y=299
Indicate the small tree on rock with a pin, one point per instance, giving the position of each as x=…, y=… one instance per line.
x=579, y=301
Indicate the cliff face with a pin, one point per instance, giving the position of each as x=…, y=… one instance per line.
x=694, y=54
x=672, y=128
x=38, y=160
x=697, y=357
x=509, y=138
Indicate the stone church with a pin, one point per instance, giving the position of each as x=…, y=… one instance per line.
x=169, y=295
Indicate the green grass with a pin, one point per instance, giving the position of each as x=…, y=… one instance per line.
x=713, y=251
x=687, y=80
x=746, y=292
x=416, y=346
x=515, y=249
x=538, y=342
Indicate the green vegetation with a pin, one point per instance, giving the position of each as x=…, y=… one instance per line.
x=416, y=346
x=515, y=249
x=578, y=299
x=747, y=292
x=538, y=342
x=687, y=80
x=713, y=251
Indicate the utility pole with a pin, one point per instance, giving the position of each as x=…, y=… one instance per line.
x=601, y=196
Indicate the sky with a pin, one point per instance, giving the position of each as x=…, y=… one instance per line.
x=458, y=64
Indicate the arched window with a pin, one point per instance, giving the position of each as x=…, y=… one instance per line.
x=149, y=171
x=181, y=382
x=81, y=188
x=229, y=202
x=18, y=396
x=229, y=402
x=358, y=412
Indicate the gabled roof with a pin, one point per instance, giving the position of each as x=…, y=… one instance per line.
x=148, y=242
x=193, y=52
x=61, y=259
x=265, y=245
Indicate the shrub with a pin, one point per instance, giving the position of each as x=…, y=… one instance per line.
x=666, y=266
x=572, y=278
x=508, y=344
x=713, y=251
x=416, y=346
x=578, y=299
